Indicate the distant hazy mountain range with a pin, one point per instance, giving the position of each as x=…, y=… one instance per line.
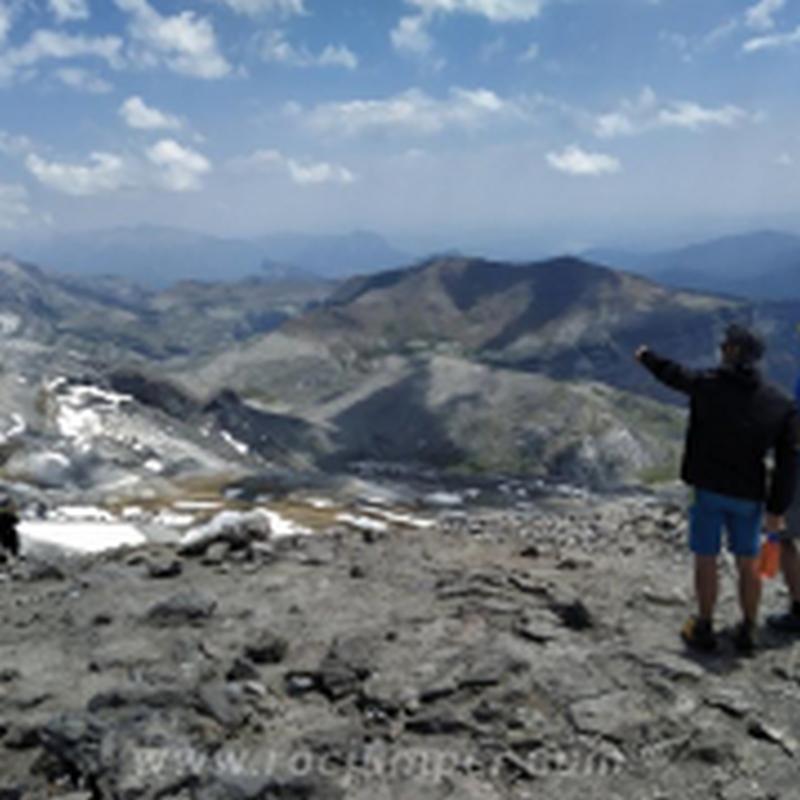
x=110, y=317
x=762, y=265
x=157, y=257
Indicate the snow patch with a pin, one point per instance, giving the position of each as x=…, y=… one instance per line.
x=239, y=447
x=320, y=503
x=82, y=410
x=402, y=519
x=282, y=527
x=171, y=519
x=197, y=505
x=17, y=427
x=78, y=537
x=363, y=523
x=84, y=513
x=9, y=324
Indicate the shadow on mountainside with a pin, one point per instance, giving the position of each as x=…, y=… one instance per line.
x=395, y=424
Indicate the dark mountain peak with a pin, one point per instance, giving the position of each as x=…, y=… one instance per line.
x=466, y=280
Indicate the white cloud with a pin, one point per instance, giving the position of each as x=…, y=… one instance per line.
x=773, y=42
x=14, y=145
x=46, y=44
x=314, y=173
x=494, y=10
x=574, y=161
x=275, y=48
x=83, y=81
x=5, y=23
x=181, y=169
x=303, y=173
x=760, y=15
x=413, y=111
x=69, y=10
x=137, y=114
x=337, y=56
x=647, y=113
x=784, y=160
x=106, y=172
x=255, y=7
x=186, y=43
x=693, y=117
x=14, y=207
x=411, y=36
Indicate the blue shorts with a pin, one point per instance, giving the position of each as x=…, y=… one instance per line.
x=711, y=512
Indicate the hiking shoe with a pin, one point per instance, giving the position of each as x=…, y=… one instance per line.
x=745, y=640
x=698, y=634
x=785, y=623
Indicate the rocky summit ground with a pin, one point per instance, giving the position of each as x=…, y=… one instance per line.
x=526, y=651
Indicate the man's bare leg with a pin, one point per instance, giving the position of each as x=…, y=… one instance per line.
x=706, y=586
x=790, y=566
x=749, y=588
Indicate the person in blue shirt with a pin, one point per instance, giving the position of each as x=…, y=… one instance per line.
x=789, y=621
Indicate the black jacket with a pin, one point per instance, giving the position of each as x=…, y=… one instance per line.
x=735, y=420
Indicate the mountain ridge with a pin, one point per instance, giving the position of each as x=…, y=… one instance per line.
x=763, y=265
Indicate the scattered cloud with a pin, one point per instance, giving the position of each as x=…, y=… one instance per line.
x=531, y=53
x=492, y=49
x=137, y=114
x=14, y=208
x=760, y=16
x=784, y=160
x=69, y=10
x=275, y=48
x=413, y=111
x=105, y=172
x=55, y=45
x=647, y=113
x=494, y=10
x=772, y=42
x=14, y=145
x=185, y=43
x=181, y=169
x=256, y=7
x=303, y=173
x=694, y=117
x=82, y=80
x=574, y=161
x=5, y=23
x=411, y=36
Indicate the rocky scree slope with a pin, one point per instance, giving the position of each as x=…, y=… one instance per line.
x=525, y=652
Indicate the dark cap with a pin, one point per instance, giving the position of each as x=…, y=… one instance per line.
x=749, y=345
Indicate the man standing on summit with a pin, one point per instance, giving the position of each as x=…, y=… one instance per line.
x=735, y=420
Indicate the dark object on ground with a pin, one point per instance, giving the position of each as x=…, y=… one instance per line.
x=698, y=634
x=9, y=537
x=785, y=623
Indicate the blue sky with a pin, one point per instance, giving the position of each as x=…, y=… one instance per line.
x=567, y=122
